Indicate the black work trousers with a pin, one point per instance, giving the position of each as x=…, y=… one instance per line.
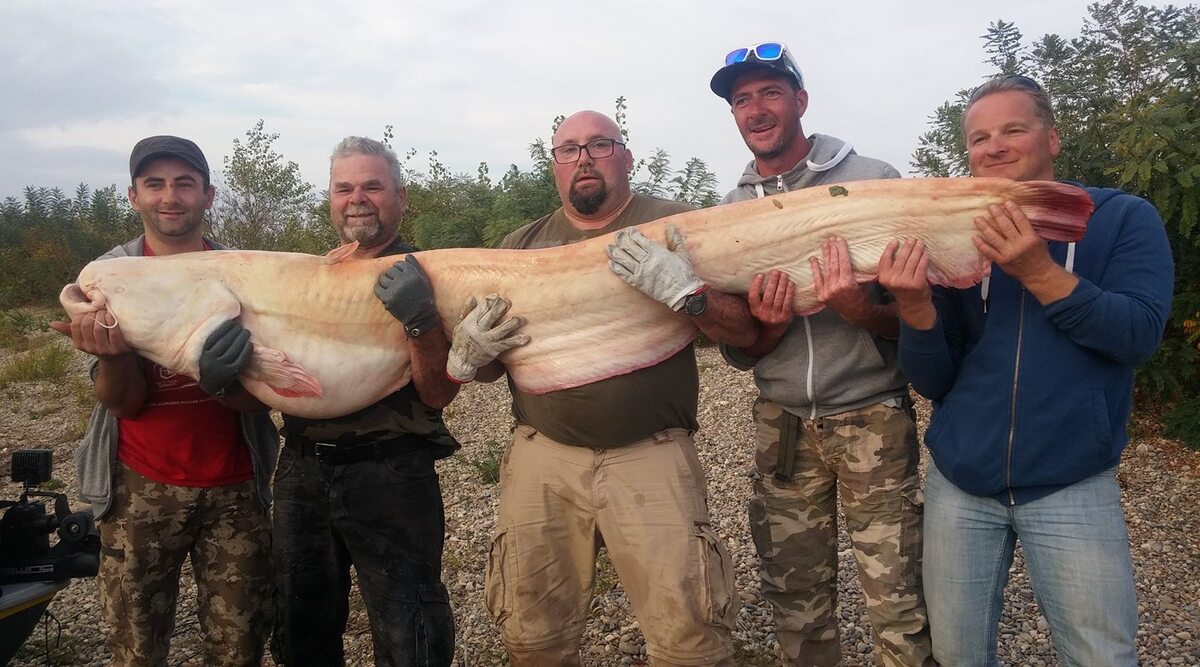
x=386, y=518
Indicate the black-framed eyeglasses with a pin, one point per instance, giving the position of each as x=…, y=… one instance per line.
x=596, y=149
x=1019, y=80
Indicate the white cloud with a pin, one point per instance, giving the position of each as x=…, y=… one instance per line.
x=475, y=81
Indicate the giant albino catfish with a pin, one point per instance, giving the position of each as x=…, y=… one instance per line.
x=324, y=346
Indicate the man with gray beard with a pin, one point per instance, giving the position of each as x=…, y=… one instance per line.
x=361, y=489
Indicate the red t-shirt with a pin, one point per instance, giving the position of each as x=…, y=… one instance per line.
x=182, y=436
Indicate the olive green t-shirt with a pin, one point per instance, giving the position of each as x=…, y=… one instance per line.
x=621, y=409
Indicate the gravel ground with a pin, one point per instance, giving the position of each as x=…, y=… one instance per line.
x=1159, y=477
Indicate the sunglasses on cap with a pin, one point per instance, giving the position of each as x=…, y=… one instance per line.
x=1018, y=80
x=766, y=52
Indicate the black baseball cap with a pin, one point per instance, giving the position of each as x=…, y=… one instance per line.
x=765, y=56
x=165, y=145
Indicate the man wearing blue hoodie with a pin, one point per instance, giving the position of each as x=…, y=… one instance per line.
x=833, y=417
x=1031, y=377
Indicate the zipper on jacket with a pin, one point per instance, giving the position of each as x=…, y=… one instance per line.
x=779, y=184
x=1012, y=408
x=810, y=380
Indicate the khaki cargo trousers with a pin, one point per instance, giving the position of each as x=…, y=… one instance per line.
x=646, y=503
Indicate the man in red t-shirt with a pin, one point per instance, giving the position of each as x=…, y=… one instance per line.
x=176, y=467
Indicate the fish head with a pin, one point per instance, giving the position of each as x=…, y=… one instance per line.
x=129, y=288
x=165, y=306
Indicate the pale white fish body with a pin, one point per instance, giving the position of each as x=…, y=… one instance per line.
x=324, y=345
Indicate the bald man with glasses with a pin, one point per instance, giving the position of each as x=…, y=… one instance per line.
x=613, y=463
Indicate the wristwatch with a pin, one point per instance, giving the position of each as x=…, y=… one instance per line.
x=695, y=303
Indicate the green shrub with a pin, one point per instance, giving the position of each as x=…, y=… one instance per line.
x=47, y=363
x=487, y=463
x=16, y=325
x=1183, y=422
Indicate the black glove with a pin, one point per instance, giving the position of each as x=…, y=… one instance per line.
x=405, y=291
x=226, y=354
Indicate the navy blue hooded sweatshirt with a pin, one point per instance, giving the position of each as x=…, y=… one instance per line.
x=1029, y=398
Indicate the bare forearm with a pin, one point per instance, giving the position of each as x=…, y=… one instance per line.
x=857, y=308
x=767, y=340
x=727, y=319
x=921, y=316
x=428, y=356
x=120, y=385
x=1051, y=285
x=879, y=319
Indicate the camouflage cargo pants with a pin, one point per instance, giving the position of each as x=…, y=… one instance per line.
x=144, y=540
x=869, y=457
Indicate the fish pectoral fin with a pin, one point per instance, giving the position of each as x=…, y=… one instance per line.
x=341, y=253
x=284, y=376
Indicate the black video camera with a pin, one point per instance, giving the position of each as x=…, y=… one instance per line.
x=25, y=551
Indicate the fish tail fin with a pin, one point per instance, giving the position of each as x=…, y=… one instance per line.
x=282, y=375
x=1057, y=211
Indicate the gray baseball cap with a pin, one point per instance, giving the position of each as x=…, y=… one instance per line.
x=765, y=56
x=165, y=145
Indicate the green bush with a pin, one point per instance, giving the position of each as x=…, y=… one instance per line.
x=1183, y=422
x=47, y=363
x=487, y=463
x=16, y=325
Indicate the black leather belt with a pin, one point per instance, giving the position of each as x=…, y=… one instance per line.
x=335, y=455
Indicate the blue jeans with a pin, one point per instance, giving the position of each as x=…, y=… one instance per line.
x=1077, y=552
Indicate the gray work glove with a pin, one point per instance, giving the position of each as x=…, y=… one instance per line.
x=478, y=340
x=663, y=273
x=405, y=291
x=225, y=355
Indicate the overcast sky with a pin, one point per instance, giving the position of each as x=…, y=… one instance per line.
x=476, y=81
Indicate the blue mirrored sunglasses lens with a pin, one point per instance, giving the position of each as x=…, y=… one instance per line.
x=736, y=56
x=768, y=51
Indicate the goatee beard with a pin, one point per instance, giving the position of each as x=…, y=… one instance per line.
x=588, y=204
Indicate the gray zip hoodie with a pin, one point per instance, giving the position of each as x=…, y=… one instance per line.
x=823, y=365
x=96, y=456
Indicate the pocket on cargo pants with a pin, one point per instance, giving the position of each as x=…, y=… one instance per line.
x=497, y=589
x=721, y=590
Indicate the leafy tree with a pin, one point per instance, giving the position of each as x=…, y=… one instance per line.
x=1125, y=96
x=522, y=196
x=658, y=174
x=696, y=185
x=1004, y=48
x=47, y=236
x=262, y=194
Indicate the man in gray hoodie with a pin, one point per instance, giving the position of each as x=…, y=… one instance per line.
x=833, y=416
